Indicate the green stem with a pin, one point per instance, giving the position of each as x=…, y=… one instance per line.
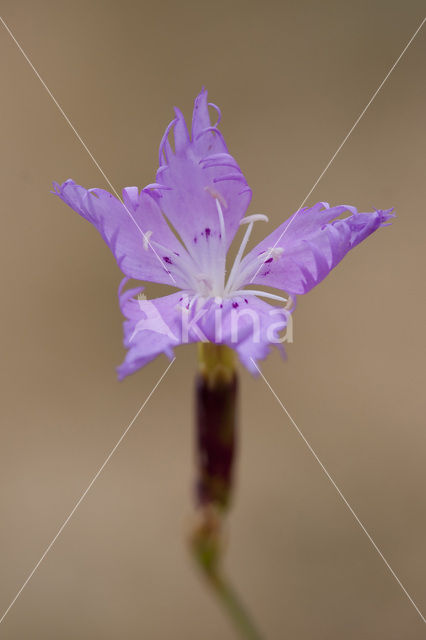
x=234, y=607
x=206, y=543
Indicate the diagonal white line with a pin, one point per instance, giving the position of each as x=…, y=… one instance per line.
x=339, y=492
x=86, y=491
x=361, y=115
x=80, y=139
x=345, y=139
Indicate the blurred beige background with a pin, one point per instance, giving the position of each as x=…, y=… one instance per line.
x=291, y=78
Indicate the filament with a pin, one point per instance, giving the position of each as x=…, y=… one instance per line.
x=249, y=220
x=261, y=294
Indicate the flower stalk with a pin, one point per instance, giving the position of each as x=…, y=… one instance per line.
x=216, y=445
x=216, y=421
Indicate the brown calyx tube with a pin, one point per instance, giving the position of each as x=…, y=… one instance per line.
x=216, y=392
x=216, y=425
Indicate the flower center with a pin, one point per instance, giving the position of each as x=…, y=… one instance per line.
x=204, y=268
x=211, y=282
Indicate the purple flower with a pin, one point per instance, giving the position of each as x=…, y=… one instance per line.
x=201, y=192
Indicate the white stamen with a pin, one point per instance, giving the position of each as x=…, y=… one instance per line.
x=221, y=220
x=261, y=294
x=146, y=238
x=238, y=257
x=217, y=259
x=256, y=217
x=249, y=220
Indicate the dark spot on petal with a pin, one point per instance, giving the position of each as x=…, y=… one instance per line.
x=195, y=239
x=266, y=273
x=245, y=300
x=235, y=305
x=221, y=306
x=176, y=253
x=167, y=259
x=268, y=260
x=208, y=232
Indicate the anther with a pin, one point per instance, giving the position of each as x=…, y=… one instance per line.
x=216, y=195
x=256, y=217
